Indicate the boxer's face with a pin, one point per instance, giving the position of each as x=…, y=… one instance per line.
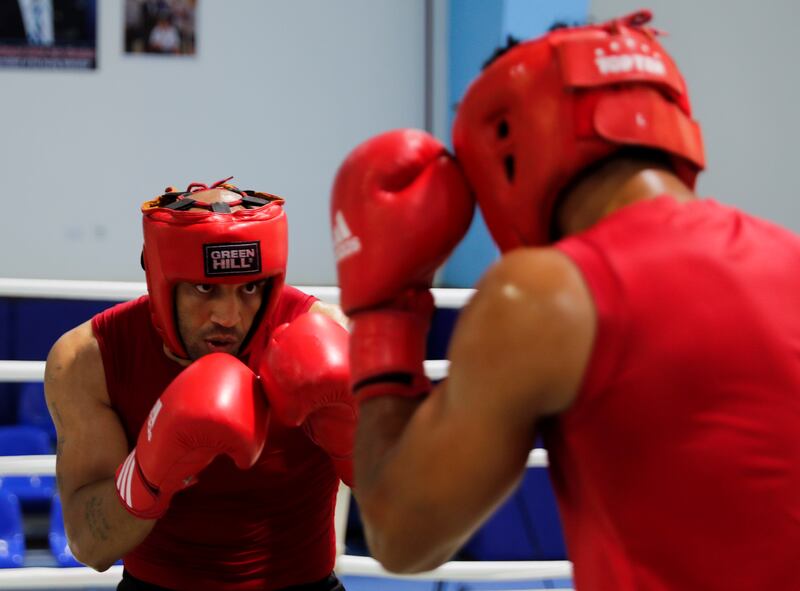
x=216, y=318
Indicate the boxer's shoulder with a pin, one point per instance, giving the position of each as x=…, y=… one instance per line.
x=534, y=317
x=331, y=311
x=74, y=366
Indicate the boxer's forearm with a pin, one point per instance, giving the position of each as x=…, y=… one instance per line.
x=381, y=423
x=429, y=473
x=388, y=485
x=99, y=529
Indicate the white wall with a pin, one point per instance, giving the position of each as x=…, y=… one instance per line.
x=740, y=60
x=277, y=94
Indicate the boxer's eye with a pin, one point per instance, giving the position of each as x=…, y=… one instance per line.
x=204, y=287
x=251, y=288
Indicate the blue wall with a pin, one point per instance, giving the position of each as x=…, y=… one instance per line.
x=476, y=29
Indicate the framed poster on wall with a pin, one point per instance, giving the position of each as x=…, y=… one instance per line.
x=165, y=27
x=56, y=34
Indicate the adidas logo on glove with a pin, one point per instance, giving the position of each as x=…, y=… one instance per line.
x=151, y=420
x=344, y=243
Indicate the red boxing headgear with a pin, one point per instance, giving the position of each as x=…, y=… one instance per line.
x=547, y=109
x=215, y=245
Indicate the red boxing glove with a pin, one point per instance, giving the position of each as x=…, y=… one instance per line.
x=215, y=406
x=400, y=205
x=306, y=377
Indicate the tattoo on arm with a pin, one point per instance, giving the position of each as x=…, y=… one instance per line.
x=57, y=416
x=60, y=438
x=51, y=370
x=96, y=519
x=54, y=412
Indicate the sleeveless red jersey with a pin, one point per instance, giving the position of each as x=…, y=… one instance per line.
x=264, y=528
x=678, y=466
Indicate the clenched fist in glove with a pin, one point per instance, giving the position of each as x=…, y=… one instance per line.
x=215, y=406
x=400, y=204
x=306, y=375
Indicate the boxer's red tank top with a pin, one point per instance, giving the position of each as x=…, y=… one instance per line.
x=264, y=528
x=678, y=466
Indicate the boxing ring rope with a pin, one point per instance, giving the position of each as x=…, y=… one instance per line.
x=119, y=291
x=45, y=465
x=33, y=371
x=73, y=578
x=498, y=571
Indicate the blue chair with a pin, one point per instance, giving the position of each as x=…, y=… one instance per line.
x=58, y=537
x=34, y=492
x=32, y=409
x=12, y=538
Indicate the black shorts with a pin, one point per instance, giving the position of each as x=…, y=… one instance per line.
x=131, y=583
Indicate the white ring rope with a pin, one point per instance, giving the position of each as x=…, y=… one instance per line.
x=39, y=465
x=59, y=578
x=362, y=566
x=21, y=371
x=464, y=571
x=73, y=578
x=33, y=371
x=63, y=289
x=45, y=465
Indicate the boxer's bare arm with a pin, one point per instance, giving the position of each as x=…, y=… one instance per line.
x=91, y=444
x=331, y=310
x=429, y=473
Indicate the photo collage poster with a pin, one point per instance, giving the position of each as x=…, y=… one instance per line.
x=62, y=34
x=55, y=34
